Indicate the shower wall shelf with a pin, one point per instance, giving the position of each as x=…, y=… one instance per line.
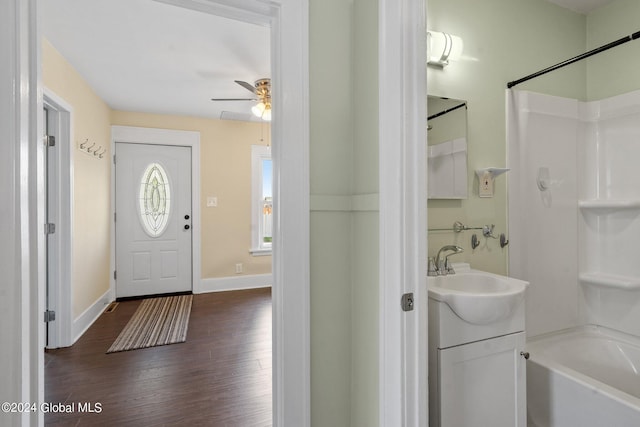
x=614, y=281
x=615, y=204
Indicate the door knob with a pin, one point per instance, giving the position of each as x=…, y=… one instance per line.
x=186, y=227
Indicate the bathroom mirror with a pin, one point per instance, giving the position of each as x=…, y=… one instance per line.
x=447, y=147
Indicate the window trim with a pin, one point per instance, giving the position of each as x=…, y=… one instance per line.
x=258, y=154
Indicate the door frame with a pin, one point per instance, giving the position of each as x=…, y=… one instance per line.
x=154, y=136
x=21, y=82
x=60, y=295
x=289, y=24
x=403, y=347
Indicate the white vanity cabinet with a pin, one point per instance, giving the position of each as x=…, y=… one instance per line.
x=483, y=383
x=477, y=369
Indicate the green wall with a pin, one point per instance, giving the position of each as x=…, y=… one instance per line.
x=331, y=160
x=503, y=41
x=365, y=219
x=344, y=212
x=615, y=71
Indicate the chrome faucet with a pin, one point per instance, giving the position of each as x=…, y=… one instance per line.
x=443, y=267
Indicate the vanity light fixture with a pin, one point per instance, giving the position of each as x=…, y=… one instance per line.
x=442, y=48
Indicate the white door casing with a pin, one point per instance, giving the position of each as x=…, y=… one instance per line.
x=21, y=48
x=20, y=81
x=403, y=212
x=60, y=120
x=153, y=219
x=158, y=138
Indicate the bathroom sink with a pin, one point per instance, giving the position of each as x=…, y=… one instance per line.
x=477, y=296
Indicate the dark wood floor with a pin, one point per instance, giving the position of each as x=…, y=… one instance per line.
x=221, y=376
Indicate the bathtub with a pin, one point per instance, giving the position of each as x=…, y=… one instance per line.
x=587, y=376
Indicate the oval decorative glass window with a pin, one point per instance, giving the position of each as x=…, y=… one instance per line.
x=155, y=200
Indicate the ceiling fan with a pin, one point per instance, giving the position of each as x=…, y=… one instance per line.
x=262, y=91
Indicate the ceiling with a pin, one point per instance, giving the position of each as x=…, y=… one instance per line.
x=581, y=6
x=146, y=56
x=143, y=55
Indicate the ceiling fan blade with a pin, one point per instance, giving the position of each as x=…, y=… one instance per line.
x=247, y=86
x=233, y=99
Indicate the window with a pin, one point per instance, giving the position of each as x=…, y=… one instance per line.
x=262, y=200
x=154, y=200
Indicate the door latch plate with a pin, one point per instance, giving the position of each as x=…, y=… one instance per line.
x=407, y=302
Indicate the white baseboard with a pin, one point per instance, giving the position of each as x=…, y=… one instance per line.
x=90, y=315
x=235, y=283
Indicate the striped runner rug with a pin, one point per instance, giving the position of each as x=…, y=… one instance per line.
x=157, y=321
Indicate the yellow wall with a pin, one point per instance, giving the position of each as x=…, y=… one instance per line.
x=503, y=41
x=225, y=173
x=91, y=179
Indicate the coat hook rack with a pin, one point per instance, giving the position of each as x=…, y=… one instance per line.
x=90, y=148
x=99, y=152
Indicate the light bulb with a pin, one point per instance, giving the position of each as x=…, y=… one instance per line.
x=266, y=116
x=258, y=109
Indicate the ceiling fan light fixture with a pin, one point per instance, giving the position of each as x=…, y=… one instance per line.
x=262, y=110
x=262, y=91
x=258, y=109
x=266, y=116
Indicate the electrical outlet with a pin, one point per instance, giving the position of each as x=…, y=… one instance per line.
x=486, y=185
x=238, y=268
x=212, y=202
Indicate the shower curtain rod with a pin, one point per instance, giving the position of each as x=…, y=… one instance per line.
x=576, y=58
x=442, y=113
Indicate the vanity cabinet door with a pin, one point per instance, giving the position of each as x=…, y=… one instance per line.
x=483, y=383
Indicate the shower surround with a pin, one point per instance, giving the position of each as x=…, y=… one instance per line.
x=574, y=209
x=574, y=222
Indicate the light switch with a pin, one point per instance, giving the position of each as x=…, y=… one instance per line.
x=212, y=202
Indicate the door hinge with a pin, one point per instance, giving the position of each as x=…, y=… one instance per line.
x=115, y=275
x=407, y=302
x=50, y=140
x=49, y=316
x=49, y=228
x=114, y=217
x=114, y=159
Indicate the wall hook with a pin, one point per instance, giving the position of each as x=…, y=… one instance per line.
x=544, y=180
x=503, y=240
x=487, y=231
x=474, y=241
x=84, y=144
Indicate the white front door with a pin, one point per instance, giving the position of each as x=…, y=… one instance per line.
x=153, y=219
